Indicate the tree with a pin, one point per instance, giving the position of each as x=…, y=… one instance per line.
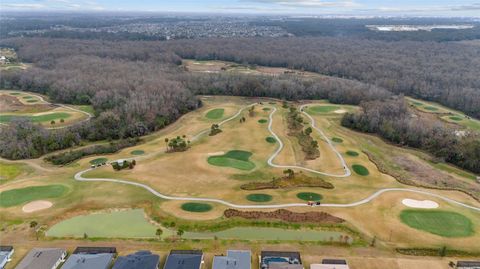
x=159, y=232
x=85, y=235
x=180, y=232
x=33, y=224
x=166, y=142
x=289, y=172
x=374, y=241
x=443, y=251
x=62, y=120
x=308, y=131
x=52, y=122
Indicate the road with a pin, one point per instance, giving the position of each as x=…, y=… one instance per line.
x=78, y=176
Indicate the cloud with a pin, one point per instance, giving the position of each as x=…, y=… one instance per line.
x=54, y=5
x=425, y=9
x=309, y=3
x=22, y=6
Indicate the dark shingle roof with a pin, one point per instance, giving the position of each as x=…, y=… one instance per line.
x=289, y=254
x=468, y=263
x=95, y=250
x=6, y=248
x=333, y=261
x=184, y=259
x=138, y=260
x=89, y=261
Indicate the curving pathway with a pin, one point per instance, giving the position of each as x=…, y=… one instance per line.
x=79, y=176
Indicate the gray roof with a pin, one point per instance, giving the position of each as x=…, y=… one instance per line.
x=138, y=260
x=89, y=261
x=41, y=258
x=235, y=259
x=184, y=260
x=467, y=264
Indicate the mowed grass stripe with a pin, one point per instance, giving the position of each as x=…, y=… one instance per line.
x=442, y=223
x=41, y=118
x=215, y=114
x=19, y=196
x=323, y=109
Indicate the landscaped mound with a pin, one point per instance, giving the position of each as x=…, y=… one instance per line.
x=271, y=140
x=337, y=140
x=309, y=196
x=323, y=109
x=352, y=153
x=215, y=114
x=259, y=197
x=98, y=161
x=196, y=207
x=262, y=121
x=137, y=152
x=295, y=181
x=19, y=196
x=238, y=159
x=285, y=215
x=455, y=118
x=360, y=169
x=442, y=223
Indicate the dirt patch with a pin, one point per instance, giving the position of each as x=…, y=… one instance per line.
x=419, y=204
x=285, y=215
x=36, y=206
x=11, y=104
x=216, y=153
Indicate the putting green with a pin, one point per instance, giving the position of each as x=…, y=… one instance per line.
x=15, y=93
x=262, y=121
x=41, y=118
x=271, y=140
x=196, y=207
x=417, y=103
x=137, y=152
x=19, y=196
x=309, y=196
x=442, y=223
x=337, y=140
x=360, y=169
x=238, y=159
x=455, y=118
x=323, y=109
x=431, y=108
x=352, y=153
x=266, y=109
x=99, y=161
x=32, y=101
x=259, y=197
x=215, y=114
x=27, y=97
x=121, y=224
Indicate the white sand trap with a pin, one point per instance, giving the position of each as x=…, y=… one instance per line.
x=419, y=204
x=36, y=206
x=340, y=111
x=216, y=153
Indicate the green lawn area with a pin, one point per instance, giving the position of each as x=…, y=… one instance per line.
x=309, y=196
x=238, y=159
x=337, y=140
x=137, y=152
x=352, y=153
x=271, y=140
x=360, y=169
x=262, y=121
x=431, y=108
x=10, y=171
x=19, y=196
x=323, y=109
x=121, y=224
x=41, y=118
x=99, y=161
x=86, y=108
x=455, y=118
x=259, y=197
x=442, y=223
x=27, y=97
x=266, y=109
x=15, y=93
x=196, y=207
x=215, y=114
x=32, y=101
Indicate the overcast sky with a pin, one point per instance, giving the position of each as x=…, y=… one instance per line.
x=311, y=7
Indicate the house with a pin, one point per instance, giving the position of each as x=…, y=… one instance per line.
x=184, y=259
x=6, y=253
x=139, y=260
x=235, y=259
x=90, y=258
x=468, y=265
x=280, y=260
x=331, y=264
x=43, y=258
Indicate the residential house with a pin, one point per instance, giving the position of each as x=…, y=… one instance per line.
x=139, y=260
x=91, y=258
x=331, y=264
x=6, y=253
x=235, y=259
x=280, y=260
x=43, y=258
x=468, y=265
x=184, y=259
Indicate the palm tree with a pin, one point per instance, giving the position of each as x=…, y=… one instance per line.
x=166, y=142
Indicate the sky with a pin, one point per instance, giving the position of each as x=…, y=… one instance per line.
x=468, y=8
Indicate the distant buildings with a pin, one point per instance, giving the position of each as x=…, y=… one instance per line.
x=280, y=260
x=468, y=265
x=139, y=260
x=184, y=259
x=90, y=258
x=331, y=264
x=6, y=253
x=43, y=258
x=235, y=259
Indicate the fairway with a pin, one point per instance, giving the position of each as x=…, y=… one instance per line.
x=196, y=207
x=455, y=118
x=360, y=169
x=443, y=223
x=42, y=118
x=121, y=224
x=323, y=109
x=215, y=114
x=19, y=196
x=9, y=171
x=238, y=159
x=259, y=197
x=309, y=196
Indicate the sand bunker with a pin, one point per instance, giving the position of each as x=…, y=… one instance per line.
x=340, y=111
x=216, y=153
x=419, y=204
x=36, y=206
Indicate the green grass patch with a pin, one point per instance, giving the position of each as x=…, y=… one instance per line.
x=196, y=207
x=32, y=101
x=19, y=196
x=352, y=153
x=262, y=121
x=430, y=108
x=215, y=114
x=27, y=97
x=442, y=223
x=455, y=118
x=417, y=103
x=9, y=171
x=323, y=109
x=266, y=109
x=41, y=118
x=309, y=196
x=271, y=140
x=99, y=161
x=15, y=93
x=360, y=169
x=121, y=224
x=337, y=140
x=259, y=197
x=86, y=108
x=238, y=159
x=137, y=152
